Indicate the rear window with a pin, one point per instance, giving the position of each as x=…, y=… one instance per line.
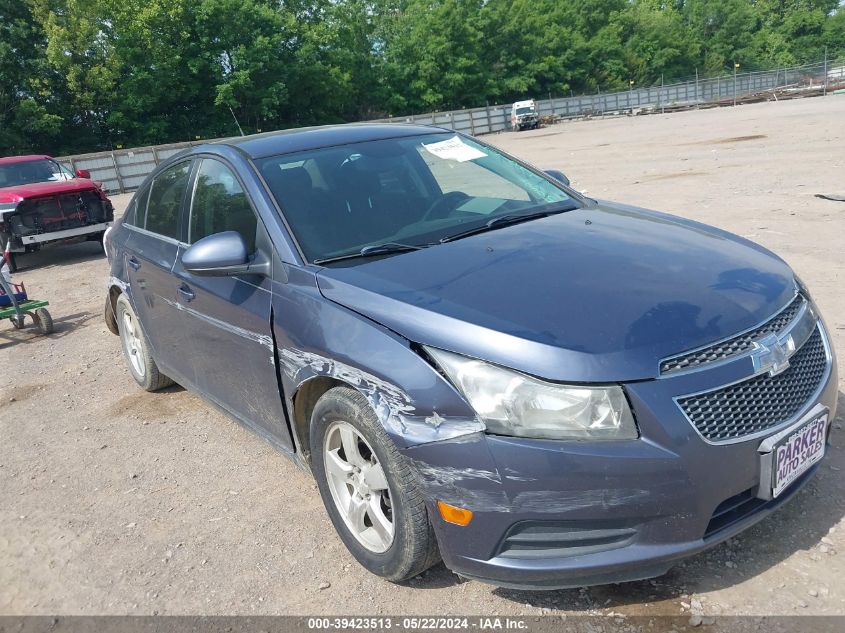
x=166, y=195
x=136, y=212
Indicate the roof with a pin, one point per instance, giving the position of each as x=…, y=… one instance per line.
x=308, y=138
x=22, y=159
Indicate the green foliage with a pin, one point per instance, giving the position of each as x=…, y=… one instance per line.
x=80, y=75
x=27, y=115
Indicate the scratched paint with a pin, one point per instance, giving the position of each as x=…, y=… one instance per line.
x=450, y=484
x=392, y=405
x=265, y=340
x=561, y=501
x=461, y=485
x=116, y=281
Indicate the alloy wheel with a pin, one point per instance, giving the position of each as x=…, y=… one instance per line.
x=358, y=486
x=132, y=344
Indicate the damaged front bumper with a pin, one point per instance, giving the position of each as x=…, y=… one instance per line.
x=550, y=514
x=39, y=221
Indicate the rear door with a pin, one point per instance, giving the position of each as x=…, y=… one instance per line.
x=151, y=251
x=227, y=319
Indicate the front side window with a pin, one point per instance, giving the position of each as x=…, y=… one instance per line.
x=220, y=204
x=413, y=191
x=165, y=202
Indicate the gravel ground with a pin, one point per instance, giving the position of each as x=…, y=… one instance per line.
x=116, y=501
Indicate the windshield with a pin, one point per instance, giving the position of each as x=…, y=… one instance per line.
x=524, y=110
x=412, y=191
x=28, y=172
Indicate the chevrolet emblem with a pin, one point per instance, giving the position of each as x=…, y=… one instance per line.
x=771, y=355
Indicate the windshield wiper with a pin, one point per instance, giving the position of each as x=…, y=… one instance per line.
x=368, y=251
x=508, y=220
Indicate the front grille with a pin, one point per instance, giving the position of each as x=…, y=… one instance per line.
x=762, y=402
x=733, y=346
x=69, y=211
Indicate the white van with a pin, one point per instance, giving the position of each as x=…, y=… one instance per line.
x=524, y=115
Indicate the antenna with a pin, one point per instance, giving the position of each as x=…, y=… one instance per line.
x=236, y=121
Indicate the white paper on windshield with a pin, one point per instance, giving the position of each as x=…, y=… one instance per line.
x=454, y=149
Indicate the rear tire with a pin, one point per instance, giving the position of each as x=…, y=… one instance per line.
x=136, y=349
x=396, y=549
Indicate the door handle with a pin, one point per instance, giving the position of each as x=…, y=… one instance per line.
x=186, y=292
x=133, y=263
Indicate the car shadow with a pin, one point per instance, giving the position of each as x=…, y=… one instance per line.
x=797, y=526
x=66, y=323
x=60, y=255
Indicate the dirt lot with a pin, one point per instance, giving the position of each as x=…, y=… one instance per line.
x=118, y=501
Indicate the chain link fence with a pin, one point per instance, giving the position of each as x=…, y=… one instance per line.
x=124, y=170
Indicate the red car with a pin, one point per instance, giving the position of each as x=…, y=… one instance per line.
x=41, y=201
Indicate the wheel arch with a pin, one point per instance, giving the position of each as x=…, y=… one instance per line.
x=304, y=400
x=110, y=314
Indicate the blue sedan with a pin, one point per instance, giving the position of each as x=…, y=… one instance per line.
x=477, y=363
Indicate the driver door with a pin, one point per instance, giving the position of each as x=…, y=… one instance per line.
x=227, y=318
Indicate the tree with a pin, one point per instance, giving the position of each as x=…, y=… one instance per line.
x=432, y=56
x=80, y=75
x=79, y=49
x=26, y=120
x=725, y=29
x=657, y=42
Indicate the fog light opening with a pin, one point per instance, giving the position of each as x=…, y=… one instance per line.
x=453, y=514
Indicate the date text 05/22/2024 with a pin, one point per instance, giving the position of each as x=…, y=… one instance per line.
x=482, y=623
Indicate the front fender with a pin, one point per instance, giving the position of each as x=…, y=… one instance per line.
x=316, y=337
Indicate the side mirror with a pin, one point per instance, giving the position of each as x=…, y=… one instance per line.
x=83, y=173
x=558, y=175
x=219, y=254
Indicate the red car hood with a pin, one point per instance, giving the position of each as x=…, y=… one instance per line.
x=39, y=189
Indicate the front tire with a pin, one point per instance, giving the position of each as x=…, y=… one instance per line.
x=136, y=349
x=368, y=488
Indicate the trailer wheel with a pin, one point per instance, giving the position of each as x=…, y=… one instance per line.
x=43, y=321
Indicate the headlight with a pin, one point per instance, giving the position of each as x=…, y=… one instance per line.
x=511, y=403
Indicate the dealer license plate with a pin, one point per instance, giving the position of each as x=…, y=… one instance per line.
x=798, y=452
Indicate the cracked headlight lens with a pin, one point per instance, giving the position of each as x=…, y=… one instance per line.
x=511, y=403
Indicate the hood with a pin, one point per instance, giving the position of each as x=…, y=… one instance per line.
x=599, y=294
x=19, y=193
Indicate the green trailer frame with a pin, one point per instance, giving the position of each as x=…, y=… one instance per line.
x=18, y=311
x=36, y=310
